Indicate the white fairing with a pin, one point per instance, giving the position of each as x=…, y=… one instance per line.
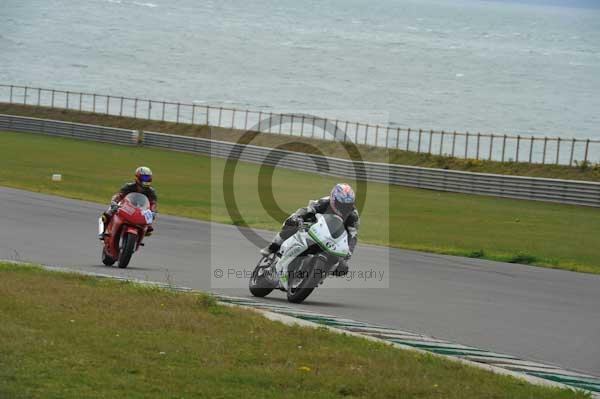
x=297, y=244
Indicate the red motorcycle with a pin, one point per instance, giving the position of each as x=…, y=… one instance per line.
x=126, y=229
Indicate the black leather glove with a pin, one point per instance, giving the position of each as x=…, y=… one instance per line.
x=294, y=221
x=114, y=206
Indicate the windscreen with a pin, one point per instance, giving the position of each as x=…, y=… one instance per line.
x=335, y=224
x=138, y=200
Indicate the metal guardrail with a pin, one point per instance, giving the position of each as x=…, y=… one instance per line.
x=484, y=146
x=529, y=188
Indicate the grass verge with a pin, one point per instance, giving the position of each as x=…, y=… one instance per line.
x=552, y=235
x=369, y=153
x=72, y=336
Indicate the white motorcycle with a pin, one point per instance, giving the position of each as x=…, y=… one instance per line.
x=304, y=260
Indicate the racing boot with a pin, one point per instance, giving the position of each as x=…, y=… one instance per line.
x=273, y=247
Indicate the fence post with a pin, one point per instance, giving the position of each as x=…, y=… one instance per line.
x=221, y=115
x=108, y=105
x=178, y=110
x=302, y=126
x=280, y=122
x=345, y=131
x=149, y=109
x=121, y=106
x=232, y=118
x=503, y=147
x=80, y=102
x=93, y=101
x=292, y=124
x=246, y=121
x=11, y=94
x=478, y=142
x=366, y=133
x=572, y=152
x=557, y=151
x=430, y=141
x=325, y=121
x=67, y=100
x=25, y=97
x=491, y=145
x=52, y=101
x=397, y=137
x=408, y=140
x=453, y=143
x=208, y=115
x=531, y=149
x=356, y=133
x=467, y=145
x=419, y=141
x=587, y=146
x=135, y=105
x=518, y=147
x=442, y=143
x=270, y=121
x=376, y=135
x=193, y=113
x=39, y=96
x=387, y=137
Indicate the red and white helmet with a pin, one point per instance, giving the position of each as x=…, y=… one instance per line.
x=143, y=176
x=342, y=199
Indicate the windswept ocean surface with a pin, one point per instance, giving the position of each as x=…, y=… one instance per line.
x=455, y=65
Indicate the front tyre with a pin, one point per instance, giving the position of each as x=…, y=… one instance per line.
x=127, y=249
x=303, y=280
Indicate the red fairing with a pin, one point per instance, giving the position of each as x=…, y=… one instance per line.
x=130, y=218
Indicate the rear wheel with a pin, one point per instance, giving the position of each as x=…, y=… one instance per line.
x=261, y=283
x=127, y=248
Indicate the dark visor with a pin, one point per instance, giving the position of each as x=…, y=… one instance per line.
x=146, y=178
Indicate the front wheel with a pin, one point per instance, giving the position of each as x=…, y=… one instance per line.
x=127, y=248
x=304, y=279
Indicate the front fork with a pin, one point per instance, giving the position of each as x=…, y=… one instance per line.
x=100, y=226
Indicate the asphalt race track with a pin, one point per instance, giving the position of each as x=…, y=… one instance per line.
x=539, y=314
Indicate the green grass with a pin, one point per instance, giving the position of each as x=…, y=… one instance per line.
x=368, y=153
x=71, y=336
x=553, y=235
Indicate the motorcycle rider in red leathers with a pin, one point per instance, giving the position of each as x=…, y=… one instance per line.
x=340, y=202
x=143, y=185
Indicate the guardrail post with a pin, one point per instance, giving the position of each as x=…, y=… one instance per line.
x=442, y=143
x=11, y=95
x=135, y=106
x=25, y=97
x=232, y=118
x=544, y=154
x=478, y=142
x=503, y=147
x=572, y=152
x=558, y=151
x=430, y=141
x=52, y=100
x=419, y=141
x=39, y=96
x=467, y=145
x=518, y=147
x=587, y=147
x=453, y=143
x=179, y=108
x=491, y=146
x=531, y=149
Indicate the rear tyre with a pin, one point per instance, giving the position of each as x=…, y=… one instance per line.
x=260, y=284
x=106, y=259
x=127, y=248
